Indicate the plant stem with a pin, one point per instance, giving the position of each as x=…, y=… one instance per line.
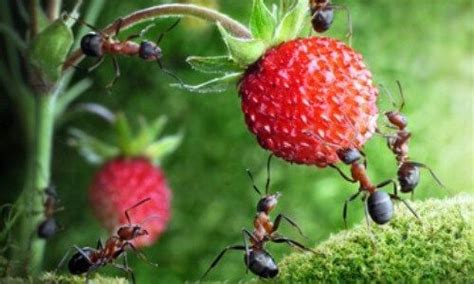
x=54, y=7
x=234, y=27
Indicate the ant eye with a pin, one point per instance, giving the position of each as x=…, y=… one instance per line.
x=91, y=45
x=149, y=51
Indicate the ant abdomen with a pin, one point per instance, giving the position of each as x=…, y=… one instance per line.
x=48, y=228
x=380, y=207
x=79, y=264
x=408, y=177
x=261, y=263
x=91, y=45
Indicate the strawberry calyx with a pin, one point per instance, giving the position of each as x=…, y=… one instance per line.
x=268, y=28
x=141, y=143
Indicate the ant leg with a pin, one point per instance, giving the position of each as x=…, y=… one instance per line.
x=141, y=34
x=247, y=251
x=400, y=89
x=96, y=64
x=249, y=173
x=407, y=205
x=169, y=73
x=431, y=172
x=140, y=254
x=118, y=26
x=125, y=268
x=291, y=243
x=133, y=207
x=343, y=175
x=117, y=73
x=367, y=218
x=160, y=37
x=61, y=262
x=349, y=21
x=276, y=224
x=344, y=210
x=267, y=184
x=385, y=183
x=219, y=256
x=100, y=245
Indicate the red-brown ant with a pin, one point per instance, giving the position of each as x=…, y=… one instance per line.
x=99, y=44
x=49, y=226
x=377, y=204
x=87, y=260
x=256, y=258
x=408, y=171
x=322, y=15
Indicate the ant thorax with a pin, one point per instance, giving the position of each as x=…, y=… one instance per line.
x=397, y=119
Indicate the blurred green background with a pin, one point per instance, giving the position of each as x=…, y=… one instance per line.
x=426, y=44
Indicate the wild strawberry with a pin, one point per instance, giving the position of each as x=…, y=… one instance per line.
x=303, y=98
x=128, y=176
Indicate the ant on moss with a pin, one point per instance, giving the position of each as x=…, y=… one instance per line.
x=256, y=258
x=99, y=44
x=49, y=226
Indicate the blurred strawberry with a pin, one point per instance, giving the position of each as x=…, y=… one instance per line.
x=303, y=98
x=128, y=175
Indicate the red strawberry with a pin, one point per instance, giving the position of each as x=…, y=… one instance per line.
x=304, y=98
x=309, y=97
x=129, y=174
x=123, y=182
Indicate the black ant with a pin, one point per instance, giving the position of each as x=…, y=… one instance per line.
x=256, y=258
x=408, y=171
x=377, y=204
x=87, y=260
x=49, y=227
x=99, y=44
x=322, y=15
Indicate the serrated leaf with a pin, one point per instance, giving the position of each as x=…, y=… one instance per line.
x=262, y=22
x=92, y=149
x=242, y=51
x=50, y=48
x=214, y=64
x=292, y=23
x=217, y=85
x=165, y=146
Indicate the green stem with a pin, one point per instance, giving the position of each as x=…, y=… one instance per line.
x=234, y=27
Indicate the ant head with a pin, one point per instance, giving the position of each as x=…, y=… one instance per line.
x=149, y=51
x=349, y=155
x=322, y=19
x=130, y=232
x=91, y=44
x=268, y=202
x=408, y=177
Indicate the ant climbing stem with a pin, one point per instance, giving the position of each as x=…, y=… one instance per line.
x=256, y=258
x=99, y=44
x=322, y=16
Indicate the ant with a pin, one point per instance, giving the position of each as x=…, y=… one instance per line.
x=256, y=258
x=98, y=44
x=49, y=227
x=87, y=260
x=377, y=204
x=408, y=171
x=322, y=15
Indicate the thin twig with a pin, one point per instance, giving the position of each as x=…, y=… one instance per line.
x=53, y=10
x=234, y=27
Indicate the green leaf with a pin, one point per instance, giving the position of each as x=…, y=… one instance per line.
x=148, y=133
x=50, y=48
x=213, y=64
x=262, y=22
x=165, y=146
x=217, y=85
x=92, y=149
x=242, y=51
x=292, y=23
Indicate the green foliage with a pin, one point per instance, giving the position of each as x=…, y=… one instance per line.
x=441, y=249
x=50, y=278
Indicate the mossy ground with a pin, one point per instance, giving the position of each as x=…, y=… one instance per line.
x=50, y=278
x=441, y=248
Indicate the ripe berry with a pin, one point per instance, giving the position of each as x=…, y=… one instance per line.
x=121, y=183
x=309, y=97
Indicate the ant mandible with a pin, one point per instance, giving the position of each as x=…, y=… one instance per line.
x=256, y=258
x=322, y=16
x=49, y=226
x=99, y=44
x=87, y=260
x=408, y=171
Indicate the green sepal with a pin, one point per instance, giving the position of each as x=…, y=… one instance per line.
x=216, y=85
x=49, y=49
x=147, y=133
x=242, y=51
x=124, y=134
x=92, y=149
x=262, y=23
x=292, y=23
x=214, y=64
x=163, y=147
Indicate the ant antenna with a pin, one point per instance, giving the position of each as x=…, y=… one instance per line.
x=253, y=182
x=133, y=207
x=267, y=185
x=169, y=73
x=150, y=218
x=387, y=91
x=161, y=36
x=82, y=22
x=401, y=94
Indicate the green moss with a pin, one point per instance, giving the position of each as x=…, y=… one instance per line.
x=439, y=249
x=65, y=279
